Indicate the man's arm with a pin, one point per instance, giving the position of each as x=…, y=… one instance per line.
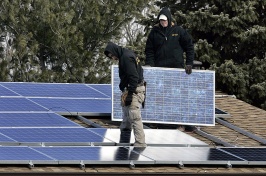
x=188, y=47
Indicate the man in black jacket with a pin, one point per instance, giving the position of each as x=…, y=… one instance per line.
x=166, y=44
x=133, y=90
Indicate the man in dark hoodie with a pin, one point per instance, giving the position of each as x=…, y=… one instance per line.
x=132, y=85
x=166, y=44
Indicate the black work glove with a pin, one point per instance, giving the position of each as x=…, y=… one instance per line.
x=188, y=69
x=128, y=98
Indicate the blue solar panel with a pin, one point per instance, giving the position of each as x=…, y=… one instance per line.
x=5, y=139
x=250, y=154
x=6, y=92
x=76, y=106
x=19, y=104
x=154, y=137
x=101, y=155
x=54, y=90
x=55, y=135
x=173, y=97
x=189, y=155
x=35, y=120
x=20, y=153
x=104, y=88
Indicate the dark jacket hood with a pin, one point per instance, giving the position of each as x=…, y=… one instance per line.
x=167, y=13
x=114, y=49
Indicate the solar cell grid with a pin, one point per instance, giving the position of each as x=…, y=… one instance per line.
x=4, y=139
x=34, y=120
x=20, y=153
x=53, y=135
x=249, y=154
x=104, y=88
x=5, y=92
x=19, y=104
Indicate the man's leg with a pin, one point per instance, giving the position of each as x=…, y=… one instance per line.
x=126, y=124
x=125, y=127
x=135, y=116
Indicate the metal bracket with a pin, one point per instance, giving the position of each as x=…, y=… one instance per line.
x=31, y=165
x=82, y=165
x=131, y=165
x=180, y=165
x=228, y=164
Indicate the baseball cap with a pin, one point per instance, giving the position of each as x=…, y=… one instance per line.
x=162, y=17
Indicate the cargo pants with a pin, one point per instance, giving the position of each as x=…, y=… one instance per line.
x=132, y=117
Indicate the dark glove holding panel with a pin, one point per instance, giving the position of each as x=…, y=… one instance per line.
x=188, y=69
x=128, y=98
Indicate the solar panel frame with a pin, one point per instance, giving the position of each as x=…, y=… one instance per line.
x=59, y=90
x=175, y=104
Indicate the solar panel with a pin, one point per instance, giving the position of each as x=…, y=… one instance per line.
x=104, y=88
x=5, y=139
x=5, y=92
x=190, y=155
x=220, y=113
x=173, y=97
x=88, y=107
x=154, y=137
x=48, y=119
x=23, y=155
x=253, y=155
x=94, y=155
x=54, y=136
x=19, y=104
x=27, y=89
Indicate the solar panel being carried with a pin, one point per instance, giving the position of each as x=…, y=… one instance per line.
x=173, y=97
